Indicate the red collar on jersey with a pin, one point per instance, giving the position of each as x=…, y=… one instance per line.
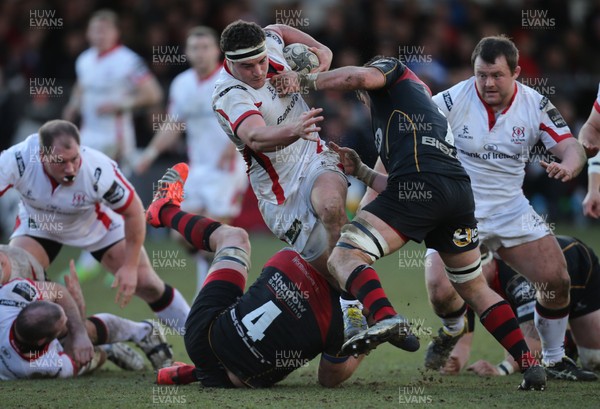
x=111, y=49
x=53, y=182
x=490, y=110
x=27, y=352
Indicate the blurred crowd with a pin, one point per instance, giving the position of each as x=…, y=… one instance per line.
x=558, y=42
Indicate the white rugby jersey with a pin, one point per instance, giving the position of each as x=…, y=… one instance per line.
x=49, y=362
x=495, y=148
x=273, y=175
x=108, y=77
x=190, y=102
x=76, y=215
x=594, y=162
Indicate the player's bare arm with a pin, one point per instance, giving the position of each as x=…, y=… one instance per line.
x=589, y=135
x=350, y=79
x=71, y=110
x=508, y=366
x=354, y=166
x=371, y=194
x=72, y=285
x=165, y=138
x=591, y=202
x=255, y=133
x=147, y=93
x=135, y=232
x=292, y=35
x=332, y=374
x=340, y=79
x=572, y=157
x=77, y=344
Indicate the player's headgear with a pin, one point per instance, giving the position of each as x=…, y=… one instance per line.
x=242, y=41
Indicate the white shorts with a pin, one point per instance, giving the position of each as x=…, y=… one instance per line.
x=295, y=219
x=512, y=228
x=218, y=194
x=92, y=238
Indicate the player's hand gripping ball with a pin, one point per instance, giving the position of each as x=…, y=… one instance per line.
x=300, y=58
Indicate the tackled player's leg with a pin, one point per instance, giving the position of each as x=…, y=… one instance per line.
x=464, y=271
x=447, y=305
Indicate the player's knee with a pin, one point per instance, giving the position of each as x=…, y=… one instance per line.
x=557, y=287
x=332, y=212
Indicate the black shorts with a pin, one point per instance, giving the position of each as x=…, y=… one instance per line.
x=214, y=299
x=52, y=248
x=586, y=300
x=428, y=207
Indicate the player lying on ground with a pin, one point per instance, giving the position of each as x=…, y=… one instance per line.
x=44, y=333
x=426, y=197
x=76, y=196
x=584, y=317
x=254, y=339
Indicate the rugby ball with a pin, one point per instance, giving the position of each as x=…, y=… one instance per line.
x=300, y=58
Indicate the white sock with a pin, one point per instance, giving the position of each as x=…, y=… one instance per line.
x=202, y=266
x=454, y=325
x=175, y=314
x=121, y=329
x=350, y=303
x=552, y=335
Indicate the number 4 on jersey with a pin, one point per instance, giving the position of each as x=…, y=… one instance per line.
x=257, y=321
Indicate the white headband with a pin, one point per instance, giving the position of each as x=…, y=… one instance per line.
x=244, y=54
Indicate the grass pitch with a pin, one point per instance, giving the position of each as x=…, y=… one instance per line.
x=387, y=378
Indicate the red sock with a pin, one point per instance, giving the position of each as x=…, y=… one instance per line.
x=196, y=229
x=364, y=284
x=500, y=321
